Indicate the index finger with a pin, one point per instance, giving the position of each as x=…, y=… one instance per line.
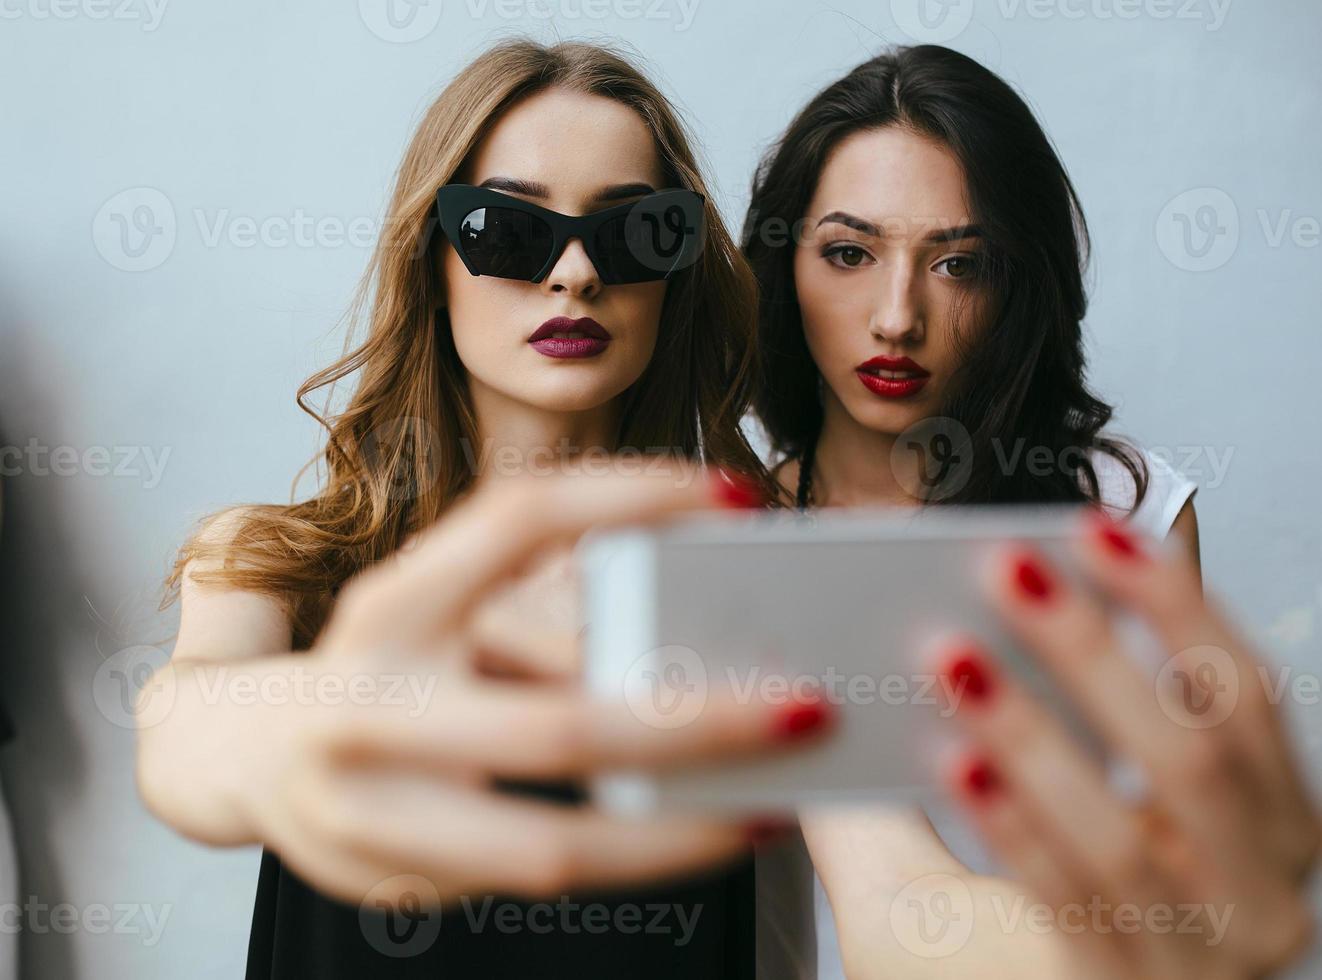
x=490, y=536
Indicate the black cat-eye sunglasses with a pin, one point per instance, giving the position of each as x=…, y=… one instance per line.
x=510, y=238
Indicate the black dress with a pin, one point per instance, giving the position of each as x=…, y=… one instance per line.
x=696, y=929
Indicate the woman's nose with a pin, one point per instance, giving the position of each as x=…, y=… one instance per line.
x=898, y=314
x=573, y=272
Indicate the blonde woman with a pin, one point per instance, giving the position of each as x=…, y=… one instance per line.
x=552, y=286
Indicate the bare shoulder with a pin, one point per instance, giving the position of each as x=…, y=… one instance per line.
x=221, y=623
x=1185, y=530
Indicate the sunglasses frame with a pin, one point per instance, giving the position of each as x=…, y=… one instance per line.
x=455, y=202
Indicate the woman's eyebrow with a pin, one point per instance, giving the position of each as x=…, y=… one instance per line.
x=617, y=192
x=516, y=185
x=850, y=221
x=536, y=189
x=954, y=233
x=944, y=235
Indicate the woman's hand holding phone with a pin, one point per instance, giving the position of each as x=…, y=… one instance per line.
x=1214, y=862
x=361, y=797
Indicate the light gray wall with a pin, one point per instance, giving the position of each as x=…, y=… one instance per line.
x=189, y=115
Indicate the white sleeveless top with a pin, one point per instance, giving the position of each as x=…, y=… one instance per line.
x=1168, y=491
x=786, y=921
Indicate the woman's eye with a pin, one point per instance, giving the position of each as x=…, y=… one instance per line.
x=958, y=266
x=847, y=256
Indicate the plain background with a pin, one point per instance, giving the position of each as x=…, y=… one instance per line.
x=137, y=326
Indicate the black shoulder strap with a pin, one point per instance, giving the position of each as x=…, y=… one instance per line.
x=803, y=497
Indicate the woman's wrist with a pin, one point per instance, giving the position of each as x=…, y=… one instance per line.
x=948, y=925
x=205, y=749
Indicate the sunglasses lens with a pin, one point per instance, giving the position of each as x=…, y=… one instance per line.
x=657, y=237
x=505, y=242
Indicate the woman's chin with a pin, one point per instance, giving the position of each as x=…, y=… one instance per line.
x=888, y=418
x=587, y=391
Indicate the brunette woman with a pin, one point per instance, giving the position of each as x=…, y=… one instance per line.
x=920, y=253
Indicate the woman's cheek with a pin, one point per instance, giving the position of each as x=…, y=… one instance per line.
x=961, y=319
x=642, y=313
x=831, y=319
x=471, y=343
x=812, y=297
x=828, y=348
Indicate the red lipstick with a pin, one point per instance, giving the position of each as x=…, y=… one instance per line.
x=892, y=377
x=581, y=337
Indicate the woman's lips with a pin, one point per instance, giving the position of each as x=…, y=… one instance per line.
x=570, y=346
x=892, y=377
x=562, y=336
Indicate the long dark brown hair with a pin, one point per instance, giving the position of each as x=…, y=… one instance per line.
x=1021, y=378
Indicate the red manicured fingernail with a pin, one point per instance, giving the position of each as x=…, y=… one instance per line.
x=801, y=719
x=735, y=490
x=1031, y=579
x=981, y=779
x=969, y=674
x=767, y=830
x=1117, y=540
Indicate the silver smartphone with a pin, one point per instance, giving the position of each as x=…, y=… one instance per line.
x=849, y=601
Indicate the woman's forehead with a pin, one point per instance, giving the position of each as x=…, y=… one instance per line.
x=888, y=174
x=573, y=145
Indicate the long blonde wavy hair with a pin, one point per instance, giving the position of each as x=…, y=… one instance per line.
x=397, y=456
